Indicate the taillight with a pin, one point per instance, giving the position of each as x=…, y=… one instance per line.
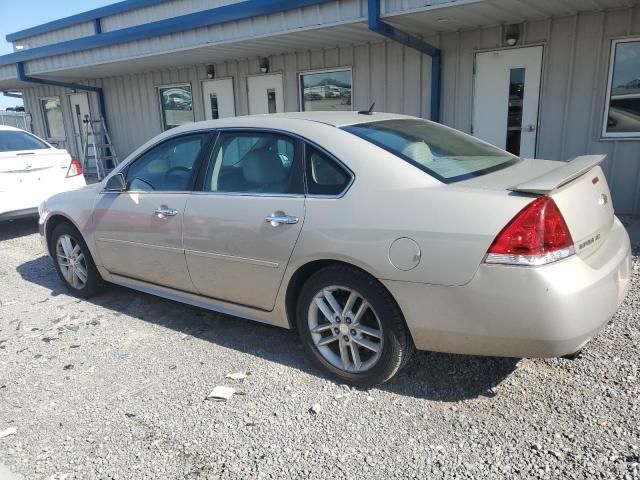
x=75, y=168
x=537, y=235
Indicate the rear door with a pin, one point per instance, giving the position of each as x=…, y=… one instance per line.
x=139, y=232
x=241, y=228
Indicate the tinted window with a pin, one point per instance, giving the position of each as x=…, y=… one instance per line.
x=254, y=163
x=13, y=141
x=166, y=167
x=324, y=175
x=445, y=153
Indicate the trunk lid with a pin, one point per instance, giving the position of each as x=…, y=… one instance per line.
x=32, y=169
x=578, y=187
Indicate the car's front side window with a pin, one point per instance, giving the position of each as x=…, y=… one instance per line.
x=167, y=167
x=254, y=162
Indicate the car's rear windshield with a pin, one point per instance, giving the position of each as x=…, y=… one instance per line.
x=13, y=141
x=445, y=153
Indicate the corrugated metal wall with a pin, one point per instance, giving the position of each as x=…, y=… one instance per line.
x=60, y=35
x=577, y=52
x=393, y=76
x=160, y=11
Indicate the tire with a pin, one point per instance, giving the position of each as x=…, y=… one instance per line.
x=381, y=325
x=92, y=283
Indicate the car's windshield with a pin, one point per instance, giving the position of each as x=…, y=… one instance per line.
x=445, y=153
x=14, y=141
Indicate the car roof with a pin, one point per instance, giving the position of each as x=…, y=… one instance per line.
x=13, y=129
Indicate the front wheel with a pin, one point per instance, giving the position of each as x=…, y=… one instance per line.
x=73, y=261
x=351, y=327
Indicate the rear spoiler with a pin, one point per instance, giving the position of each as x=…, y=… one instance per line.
x=554, y=179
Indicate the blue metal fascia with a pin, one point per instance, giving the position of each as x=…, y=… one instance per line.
x=72, y=86
x=411, y=41
x=204, y=18
x=83, y=17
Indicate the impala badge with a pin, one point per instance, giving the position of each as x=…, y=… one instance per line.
x=603, y=199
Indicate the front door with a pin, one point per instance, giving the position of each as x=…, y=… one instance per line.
x=219, y=101
x=506, y=98
x=266, y=94
x=240, y=230
x=79, y=113
x=138, y=232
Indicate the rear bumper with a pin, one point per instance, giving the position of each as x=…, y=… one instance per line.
x=29, y=198
x=545, y=311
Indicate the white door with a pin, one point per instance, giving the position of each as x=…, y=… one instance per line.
x=266, y=94
x=79, y=112
x=506, y=97
x=219, y=101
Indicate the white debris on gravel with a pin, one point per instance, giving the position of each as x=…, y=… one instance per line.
x=143, y=415
x=221, y=393
x=8, y=432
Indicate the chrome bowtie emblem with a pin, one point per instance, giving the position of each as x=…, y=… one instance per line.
x=603, y=199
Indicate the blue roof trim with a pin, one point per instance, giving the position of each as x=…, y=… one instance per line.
x=89, y=16
x=214, y=16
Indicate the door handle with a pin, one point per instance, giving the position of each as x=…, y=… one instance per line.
x=529, y=128
x=276, y=219
x=163, y=212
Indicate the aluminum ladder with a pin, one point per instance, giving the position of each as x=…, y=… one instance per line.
x=99, y=156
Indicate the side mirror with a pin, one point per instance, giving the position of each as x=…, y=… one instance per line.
x=116, y=183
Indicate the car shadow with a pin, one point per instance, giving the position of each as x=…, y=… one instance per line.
x=432, y=376
x=22, y=227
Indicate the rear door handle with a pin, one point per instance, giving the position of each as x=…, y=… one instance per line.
x=280, y=219
x=163, y=212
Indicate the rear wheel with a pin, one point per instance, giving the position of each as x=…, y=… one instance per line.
x=73, y=261
x=351, y=327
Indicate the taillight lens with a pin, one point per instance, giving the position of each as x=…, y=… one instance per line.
x=537, y=235
x=75, y=168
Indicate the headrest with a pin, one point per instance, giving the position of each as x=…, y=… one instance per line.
x=419, y=152
x=263, y=166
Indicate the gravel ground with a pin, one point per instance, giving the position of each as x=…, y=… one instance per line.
x=115, y=387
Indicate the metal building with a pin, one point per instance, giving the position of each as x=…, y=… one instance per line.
x=546, y=79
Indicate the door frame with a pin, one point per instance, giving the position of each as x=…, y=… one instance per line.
x=233, y=86
x=251, y=75
x=543, y=81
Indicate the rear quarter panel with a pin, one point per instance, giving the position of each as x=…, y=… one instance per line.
x=390, y=199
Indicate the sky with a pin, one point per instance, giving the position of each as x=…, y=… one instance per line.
x=20, y=14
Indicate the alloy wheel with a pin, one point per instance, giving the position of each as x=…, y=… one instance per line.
x=71, y=261
x=345, y=329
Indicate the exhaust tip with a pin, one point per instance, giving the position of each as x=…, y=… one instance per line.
x=573, y=356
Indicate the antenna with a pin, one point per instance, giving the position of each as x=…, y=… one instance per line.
x=368, y=112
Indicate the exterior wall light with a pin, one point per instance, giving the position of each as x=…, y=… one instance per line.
x=512, y=35
x=264, y=64
x=211, y=72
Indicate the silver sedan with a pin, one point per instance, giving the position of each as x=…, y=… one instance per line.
x=371, y=234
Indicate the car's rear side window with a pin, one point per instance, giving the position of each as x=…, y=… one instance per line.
x=14, y=141
x=444, y=153
x=324, y=175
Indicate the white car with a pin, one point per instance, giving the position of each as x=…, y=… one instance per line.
x=31, y=170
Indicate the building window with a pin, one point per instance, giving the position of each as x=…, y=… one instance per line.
x=52, y=114
x=326, y=90
x=176, y=105
x=622, y=117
